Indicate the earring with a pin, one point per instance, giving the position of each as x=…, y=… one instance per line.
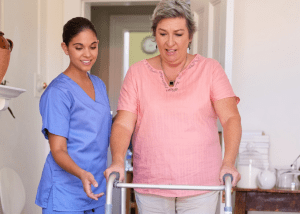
x=156, y=47
x=189, y=46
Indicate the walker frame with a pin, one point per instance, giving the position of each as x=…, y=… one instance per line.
x=113, y=182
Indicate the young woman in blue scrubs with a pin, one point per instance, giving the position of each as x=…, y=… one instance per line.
x=77, y=122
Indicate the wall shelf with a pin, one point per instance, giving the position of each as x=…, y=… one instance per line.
x=7, y=93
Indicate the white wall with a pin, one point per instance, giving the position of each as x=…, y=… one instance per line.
x=266, y=73
x=22, y=146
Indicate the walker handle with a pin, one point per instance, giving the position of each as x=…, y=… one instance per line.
x=226, y=175
x=113, y=177
x=117, y=175
x=228, y=186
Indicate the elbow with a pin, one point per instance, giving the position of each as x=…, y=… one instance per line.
x=234, y=120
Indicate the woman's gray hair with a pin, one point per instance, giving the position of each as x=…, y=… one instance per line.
x=173, y=9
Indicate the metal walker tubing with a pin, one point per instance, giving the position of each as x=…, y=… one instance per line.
x=113, y=181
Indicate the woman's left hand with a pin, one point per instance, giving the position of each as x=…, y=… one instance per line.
x=230, y=169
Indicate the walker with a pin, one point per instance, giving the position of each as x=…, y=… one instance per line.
x=113, y=181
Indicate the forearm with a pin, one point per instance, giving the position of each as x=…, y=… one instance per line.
x=232, y=136
x=119, y=142
x=121, y=132
x=63, y=159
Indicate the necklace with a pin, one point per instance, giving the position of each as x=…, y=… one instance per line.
x=172, y=82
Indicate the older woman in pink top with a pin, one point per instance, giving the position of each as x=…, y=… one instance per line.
x=169, y=105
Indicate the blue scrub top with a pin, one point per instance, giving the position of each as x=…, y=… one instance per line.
x=68, y=111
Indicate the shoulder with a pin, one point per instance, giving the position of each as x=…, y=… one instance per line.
x=204, y=60
x=136, y=69
x=154, y=62
x=207, y=65
x=58, y=88
x=151, y=63
x=138, y=65
x=60, y=82
x=143, y=66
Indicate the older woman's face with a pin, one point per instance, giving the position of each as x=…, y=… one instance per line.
x=172, y=38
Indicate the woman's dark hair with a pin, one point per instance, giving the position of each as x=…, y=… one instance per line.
x=75, y=26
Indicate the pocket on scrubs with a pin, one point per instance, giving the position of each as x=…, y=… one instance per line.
x=67, y=181
x=68, y=191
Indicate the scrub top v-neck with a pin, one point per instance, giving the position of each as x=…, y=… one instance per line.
x=68, y=111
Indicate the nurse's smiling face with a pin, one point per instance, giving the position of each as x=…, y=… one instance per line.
x=82, y=50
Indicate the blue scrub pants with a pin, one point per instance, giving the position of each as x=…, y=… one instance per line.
x=49, y=209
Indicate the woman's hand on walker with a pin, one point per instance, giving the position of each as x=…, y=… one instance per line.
x=230, y=169
x=87, y=180
x=115, y=167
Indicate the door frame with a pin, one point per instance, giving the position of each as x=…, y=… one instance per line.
x=208, y=38
x=2, y=15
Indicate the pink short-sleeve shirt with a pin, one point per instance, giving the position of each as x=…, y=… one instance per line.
x=176, y=139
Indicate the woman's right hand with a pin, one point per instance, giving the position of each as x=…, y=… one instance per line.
x=87, y=180
x=116, y=167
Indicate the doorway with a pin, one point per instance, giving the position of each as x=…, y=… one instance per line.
x=1, y=15
x=111, y=22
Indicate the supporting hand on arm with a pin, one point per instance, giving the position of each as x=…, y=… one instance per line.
x=230, y=119
x=58, y=147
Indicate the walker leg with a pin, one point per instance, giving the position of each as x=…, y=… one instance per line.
x=123, y=200
x=109, y=189
x=227, y=180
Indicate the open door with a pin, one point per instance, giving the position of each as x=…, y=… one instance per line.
x=214, y=38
